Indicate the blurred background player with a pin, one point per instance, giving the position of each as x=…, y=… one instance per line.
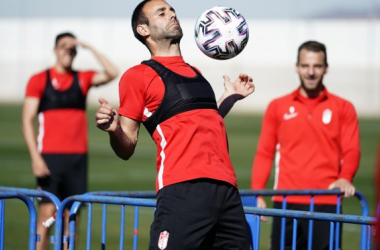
x=58, y=96
x=198, y=204
x=315, y=137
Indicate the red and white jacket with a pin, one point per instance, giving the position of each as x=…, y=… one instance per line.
x=314, y=142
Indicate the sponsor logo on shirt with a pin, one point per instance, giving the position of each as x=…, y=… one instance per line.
x=163, y=240
x=326, y=116
x=55, y=83
x=291, y=114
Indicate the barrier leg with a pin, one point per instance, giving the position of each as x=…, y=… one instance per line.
x=2, y=208
x=310, y=233
x=337, y=230
x=104, y=224
x=136, y=228
x=251, y=224
x=122, y=227
x=89, y=226
x=294, y=242
x=368, y=237
x=283, y=223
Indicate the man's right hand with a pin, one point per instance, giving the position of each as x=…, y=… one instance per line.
x=40, y=170
x=261, y=203
x=106, y=116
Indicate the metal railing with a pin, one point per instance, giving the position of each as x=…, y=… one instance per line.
x=90, y=199
x=32, y=216
x=249, y=198
x=139, y=199
x=334, y=219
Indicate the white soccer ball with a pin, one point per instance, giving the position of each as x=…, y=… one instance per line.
x=221, y=32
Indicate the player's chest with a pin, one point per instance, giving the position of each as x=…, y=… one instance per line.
x=296, y=119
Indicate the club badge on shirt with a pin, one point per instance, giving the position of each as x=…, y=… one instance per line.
x=326, y=116
x=55, y=83
x=291, y=114
x=163, y=240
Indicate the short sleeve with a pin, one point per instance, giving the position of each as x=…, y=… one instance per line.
x=132, y=93
x=36, y=86
x=86, y=80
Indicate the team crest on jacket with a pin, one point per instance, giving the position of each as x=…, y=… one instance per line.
x=163, y=240
x=326, y=116
x=291, y=114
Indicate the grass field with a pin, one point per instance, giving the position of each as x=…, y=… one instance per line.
x=107, y=172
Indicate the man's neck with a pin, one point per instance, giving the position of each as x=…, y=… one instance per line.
x=311, y=93
x=165, y=49
x=61, y=69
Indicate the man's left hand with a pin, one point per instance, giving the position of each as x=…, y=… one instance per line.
x=344, y=185
x=241, y=88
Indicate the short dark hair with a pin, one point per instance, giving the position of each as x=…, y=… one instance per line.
x=62, y=35
x=139, y=17
x=313, y=46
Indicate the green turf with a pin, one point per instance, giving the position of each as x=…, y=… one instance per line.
x=107, y=172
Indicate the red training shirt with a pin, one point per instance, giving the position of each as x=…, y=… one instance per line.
x=61, y=130
x=315, y=141
x=190, y=145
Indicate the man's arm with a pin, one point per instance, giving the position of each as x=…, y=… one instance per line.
x=241, y=88
x=350, y=148
x=110, y=71
x=263, y=159
x=29, y=114
x=262, y=163
x=123, y=131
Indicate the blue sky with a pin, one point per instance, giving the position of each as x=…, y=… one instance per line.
x=270, y=9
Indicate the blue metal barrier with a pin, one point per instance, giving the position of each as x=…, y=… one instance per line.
x=140, y=198
x=366, y=221
x=134, y=198
x=90, y=199
x=32, y=217
x=249, y=198
x=31, y=194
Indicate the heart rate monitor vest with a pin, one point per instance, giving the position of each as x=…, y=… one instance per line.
x=72, y=98
x=181, y=94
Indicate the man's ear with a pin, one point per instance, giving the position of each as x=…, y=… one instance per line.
x=296, y=68
x=143, y=30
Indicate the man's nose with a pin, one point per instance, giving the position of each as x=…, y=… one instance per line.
x=173, y=16
x=311, y=71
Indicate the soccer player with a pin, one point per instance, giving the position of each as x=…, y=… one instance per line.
x=58, y=96
x=198, y=204
x=315, y=137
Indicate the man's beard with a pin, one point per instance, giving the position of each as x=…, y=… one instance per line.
x=175, y=36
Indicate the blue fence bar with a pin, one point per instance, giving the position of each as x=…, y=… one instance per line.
x=334, y=218
x=2, y=217
x=249, y=198
x=34, y=193
x=32, y=217
x=31, y=193
x=128, y=194
x=89, y=198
